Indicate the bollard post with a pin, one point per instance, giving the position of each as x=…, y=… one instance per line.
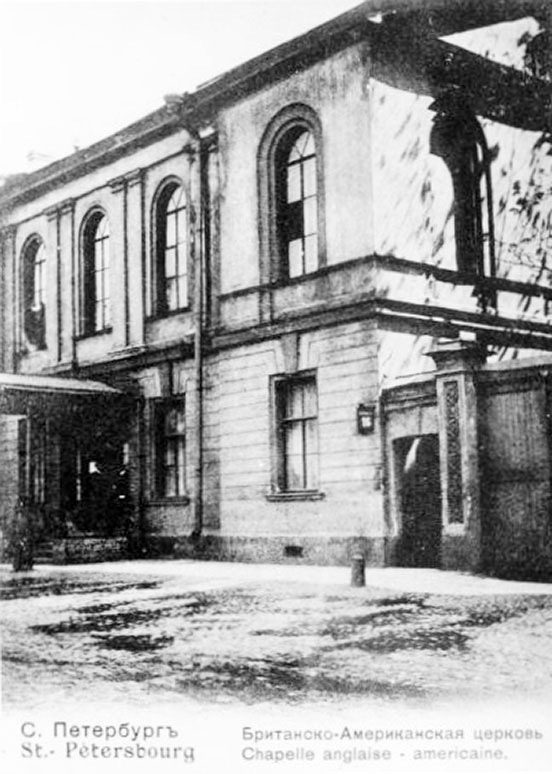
x=357, y=570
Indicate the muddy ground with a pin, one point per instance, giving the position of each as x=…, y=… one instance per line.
x=112, y=637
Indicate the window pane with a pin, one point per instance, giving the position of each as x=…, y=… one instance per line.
x=182, y=291
x=294, y=401
x=301, y=143
x=294, y=455
x=295, y=153
x=310, y=215
x=308, y=144
x=294, y=221
x=176, y=199
x=170, y=262
x=170, y=482
x=295, y=258
x=311, y=437
x=170, y=230
x=98, y=286
x=172, y=297
x=311, y=254
x=170, y=421
x=102, y=228
x=309, y=399
x=182, y=226
x=294, y=182
x=309, y=177
x=311, y=464
x=180, y=421
x=180, y=468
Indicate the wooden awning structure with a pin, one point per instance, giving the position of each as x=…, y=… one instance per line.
x=31, y=393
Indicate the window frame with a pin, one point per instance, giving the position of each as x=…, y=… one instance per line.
x=93, y=247
x=162, y=199
x=281, y=486
x=292, y=225
x=33, y=299
x=160, y=441
x=293, y=119
x=459, y=140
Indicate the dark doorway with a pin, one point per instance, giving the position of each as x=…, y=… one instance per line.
x=419, y=490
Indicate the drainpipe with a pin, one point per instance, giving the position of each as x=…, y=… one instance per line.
x=198, y=154
x=201, y=248
x=197, y=262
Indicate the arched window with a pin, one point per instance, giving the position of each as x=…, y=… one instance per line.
x=291, y=206
x=96, y=303
x=171, y=250
x=34, y=292
x=296, y=202
x=458, y=139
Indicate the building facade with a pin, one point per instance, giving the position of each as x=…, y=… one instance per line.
x=300, y=313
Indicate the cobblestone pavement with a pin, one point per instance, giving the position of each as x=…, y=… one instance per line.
x=168, y=632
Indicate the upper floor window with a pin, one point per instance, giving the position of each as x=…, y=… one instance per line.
x=96, y=299
x=34, y=292
x=291, y=202
x=538, y=56
x=459, y=140
x=171, y=258
x=296, y=202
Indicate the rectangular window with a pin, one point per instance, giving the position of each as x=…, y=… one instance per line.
x=38, y=461
x=297, y=433
x=22, y=458
x=170, y=447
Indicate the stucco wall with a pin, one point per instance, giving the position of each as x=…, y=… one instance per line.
x=414, y=208
x=9, y=484
x=336, y=90
x=344, y=360
x=129, y=210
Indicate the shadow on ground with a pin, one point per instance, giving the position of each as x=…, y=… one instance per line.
x=261, y=641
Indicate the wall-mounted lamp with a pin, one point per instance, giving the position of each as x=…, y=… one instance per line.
x=366, y=418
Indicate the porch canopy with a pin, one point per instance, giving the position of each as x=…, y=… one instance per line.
x=30, y=394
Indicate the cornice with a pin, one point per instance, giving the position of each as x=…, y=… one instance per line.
x=198, y=109
x=8, y=232
x=118, y=184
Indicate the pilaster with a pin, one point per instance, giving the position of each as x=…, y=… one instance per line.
x=458, y=363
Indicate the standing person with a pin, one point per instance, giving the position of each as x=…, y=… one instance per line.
x=22, y=539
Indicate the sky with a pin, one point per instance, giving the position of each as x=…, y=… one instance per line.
x=74, y=71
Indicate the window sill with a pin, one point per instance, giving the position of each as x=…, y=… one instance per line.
x=93, y=334
x=164, y=315
x=181, y=500
x=306, y=494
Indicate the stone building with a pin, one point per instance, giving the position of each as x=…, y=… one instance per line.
x=300, y=312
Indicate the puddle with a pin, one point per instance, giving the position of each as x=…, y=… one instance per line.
x=99, y=623
x=137, y=643
x=431, y=639
x=24, y=588
x=258, y=675
x=290, y=680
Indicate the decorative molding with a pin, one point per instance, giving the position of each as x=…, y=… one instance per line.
x=290, y=351
x=454, y=452
x=52, y=213
x=129, y=179
x=67, y=207
x=274, y=497
x=135, y=177
x=117, y=184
